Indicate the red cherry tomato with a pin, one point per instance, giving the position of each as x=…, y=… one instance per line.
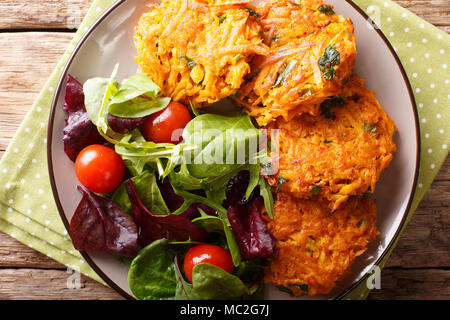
x=162, y=127
x=207, y=253
x=99, y=168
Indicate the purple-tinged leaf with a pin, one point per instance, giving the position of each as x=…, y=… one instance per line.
x=153, y=227
x=174, y=202
x=236, y=189
x=79, y=131
x=74, y=98
x=100, y=225
x=252, y=235
x=124, y=125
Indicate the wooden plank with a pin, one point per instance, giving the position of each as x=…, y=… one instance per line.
x=28, y=284
x=23, y=73
x=416, y=284
x=46, y=14
x=14, y=254
x=68, y=14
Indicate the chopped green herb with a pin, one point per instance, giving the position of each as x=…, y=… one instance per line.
x=222, y=18
x=190, y=63
x=276, y=38
x=284, y=289
x=360, y=223
x=303, y=286
x=330, y=143
x=330, y=58
x=370, y=127
x=237, y=94
x=326, y=9
x=253, y=13
x=329, y=104
x=306, y=93
x=281, y=180
x=237, y=57
x=316, y=189
x=253, y=76
x=283, y=75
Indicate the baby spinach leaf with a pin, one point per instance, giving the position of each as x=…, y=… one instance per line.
x=221, y=144
x=213, y=283
x=138, y=107
x=152, y=272
x=100, y=225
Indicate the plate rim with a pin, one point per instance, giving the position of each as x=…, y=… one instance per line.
x=98, y=270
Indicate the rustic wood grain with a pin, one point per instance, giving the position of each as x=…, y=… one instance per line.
x=34, y=34
x=35, y=284
x=406, y=284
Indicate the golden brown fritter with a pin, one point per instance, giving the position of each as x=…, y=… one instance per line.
x=312, y=53
x=316, y=247
x=195, y=51
x=338, y=154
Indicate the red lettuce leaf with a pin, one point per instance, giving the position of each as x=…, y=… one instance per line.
x=74, y=98
x=236, y=189
x=79, y=131
x=153, y=227
x=252, y=235
x=124, y=125
x=100, y=225
x=174, y=202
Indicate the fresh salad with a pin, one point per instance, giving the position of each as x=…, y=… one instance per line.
x=180, y=197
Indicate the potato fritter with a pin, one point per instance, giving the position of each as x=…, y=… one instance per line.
x=338, y=154
x=312, y=53
x=197, y=52
x=316, y=247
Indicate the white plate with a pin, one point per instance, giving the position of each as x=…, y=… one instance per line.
x=110, y=40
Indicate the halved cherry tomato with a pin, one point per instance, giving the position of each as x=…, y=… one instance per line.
x=99, y=168
x=166, y=126
x=207, y=253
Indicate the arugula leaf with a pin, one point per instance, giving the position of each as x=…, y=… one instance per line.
x=330, y=58
x=326, y=9
x=266, y=193
x=285, y=73
x=215, y=224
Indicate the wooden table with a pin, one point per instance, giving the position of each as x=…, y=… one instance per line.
x=34, y=34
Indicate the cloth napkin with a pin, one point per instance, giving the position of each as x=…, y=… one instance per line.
x=27, y=208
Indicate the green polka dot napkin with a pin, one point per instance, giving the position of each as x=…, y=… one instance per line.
x=27, y=209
